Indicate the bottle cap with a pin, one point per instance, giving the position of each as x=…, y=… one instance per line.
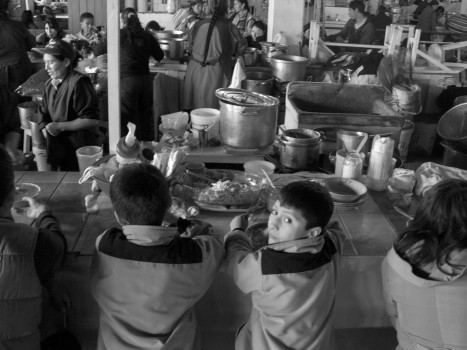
x=128, y=147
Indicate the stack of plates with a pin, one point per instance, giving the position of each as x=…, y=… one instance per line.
x=346, y=193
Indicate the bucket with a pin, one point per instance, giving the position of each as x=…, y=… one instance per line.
x=452, y=127
x=350, y=140
x=299, y=148
x=87, y=156
x=454, y=158
x=206, y=118
x=404, y=140
x=26, y=111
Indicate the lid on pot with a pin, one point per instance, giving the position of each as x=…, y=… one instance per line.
x=299, y=136
x=240, y=97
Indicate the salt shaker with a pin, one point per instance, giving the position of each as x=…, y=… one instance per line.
x=380, y=165
x=352, y=167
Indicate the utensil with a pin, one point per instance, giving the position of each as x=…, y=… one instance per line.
x=362, y=143
x=268, y=178
x=400, y=211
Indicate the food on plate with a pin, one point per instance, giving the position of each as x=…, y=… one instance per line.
x=228, y=192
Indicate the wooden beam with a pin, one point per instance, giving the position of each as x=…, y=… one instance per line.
x=113, y=70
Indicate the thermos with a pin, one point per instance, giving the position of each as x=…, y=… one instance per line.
x=380, y=165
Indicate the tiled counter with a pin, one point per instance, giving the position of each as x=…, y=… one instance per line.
x=369, y=229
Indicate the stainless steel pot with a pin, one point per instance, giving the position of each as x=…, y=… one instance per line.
x=269, y=50
x=299, y=148
x=248, y=119
x=170, y=34
x=174, y=49
x=289, y=67
x=252, y=56
x=260, y=82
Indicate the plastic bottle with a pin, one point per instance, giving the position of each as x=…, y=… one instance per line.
x=128, y=147
x=379, y=169
x=352, y=168
x=280, y=38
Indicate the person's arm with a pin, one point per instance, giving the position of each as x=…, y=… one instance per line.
x=241, y=42
x=344, y=33
x=154, y=47
x=51, y=244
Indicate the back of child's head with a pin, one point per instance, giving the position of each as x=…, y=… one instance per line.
x=140, y=194
x=311, y=199
x=6, y=175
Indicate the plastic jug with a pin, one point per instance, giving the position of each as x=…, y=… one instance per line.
x=381, y=163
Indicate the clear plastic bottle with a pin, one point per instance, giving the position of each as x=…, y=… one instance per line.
x=380, y=167
x=352, y=167
x=280, y=38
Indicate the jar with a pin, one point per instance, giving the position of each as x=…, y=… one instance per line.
x=352, y=167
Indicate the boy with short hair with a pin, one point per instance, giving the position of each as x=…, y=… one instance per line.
x=293, y=278
x=146, y=278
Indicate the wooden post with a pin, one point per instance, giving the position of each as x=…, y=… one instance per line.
x=113, y=60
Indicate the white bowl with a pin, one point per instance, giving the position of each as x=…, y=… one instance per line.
x=255, y=167
x=345, y=190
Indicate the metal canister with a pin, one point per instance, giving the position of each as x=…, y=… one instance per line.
x=299, y=148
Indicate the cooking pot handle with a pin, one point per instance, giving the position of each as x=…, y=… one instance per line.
x=250, y=112
x=322, y=137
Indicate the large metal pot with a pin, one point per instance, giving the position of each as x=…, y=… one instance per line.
x=260, y=82
x=170, y=34
x=248, y=119
x=270, y=49
x=174, y=49
x=289, y=67
x=299, y=148
x=252, y=56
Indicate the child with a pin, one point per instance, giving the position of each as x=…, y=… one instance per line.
x=29, y=258
x=145, y=277
x=293, y=278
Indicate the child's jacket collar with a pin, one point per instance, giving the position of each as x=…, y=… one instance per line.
x=304, y=245
x=149, y=235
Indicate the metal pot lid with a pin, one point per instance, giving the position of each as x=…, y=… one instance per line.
x=240, y=97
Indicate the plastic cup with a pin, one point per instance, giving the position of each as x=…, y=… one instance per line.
x=87, y=156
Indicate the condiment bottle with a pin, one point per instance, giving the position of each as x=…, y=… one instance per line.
x=352, y=167
x=128, y=147
x=380, y=163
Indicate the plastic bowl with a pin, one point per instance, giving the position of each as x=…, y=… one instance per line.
x=345, y=190
x=255, y=167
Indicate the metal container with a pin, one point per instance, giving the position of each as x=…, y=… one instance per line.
x=252, y=56
x=248, y=119
x=170, y=34
x=174, y=49
x=299, y=148
x=27, y=110
x=260, y=82
x=454, y=158
x=289, y=67
x=452, y=127
x=269, y=50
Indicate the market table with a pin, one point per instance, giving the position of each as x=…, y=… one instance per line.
x=369, y=230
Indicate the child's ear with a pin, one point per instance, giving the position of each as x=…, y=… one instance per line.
x=314, y=232
x=120, y=220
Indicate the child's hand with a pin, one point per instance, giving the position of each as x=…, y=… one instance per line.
x=35, y=207
x=240, y=221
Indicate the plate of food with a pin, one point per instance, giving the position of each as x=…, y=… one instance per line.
x=222, y=190
x=26, y=190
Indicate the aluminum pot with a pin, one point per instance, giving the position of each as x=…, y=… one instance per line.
x=252, y=56
x=260, y=82
x=299, y=148
x=289, y=67
x=270, y=49
x=174, y=49
x=248, y=119
x=169, y=34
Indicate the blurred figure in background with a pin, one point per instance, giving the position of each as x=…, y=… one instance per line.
x=15, y=42
x=182, y=17
x=258, y=34
x=427, y=20
x=380, y=22
x=52, y=31
x=213, y=44
x=136, y=84
x=242, y=17
x=10, y=128
x=28, y=20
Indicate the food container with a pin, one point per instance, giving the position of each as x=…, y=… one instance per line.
x=252, y=56
x=174, y=48
x=289, y=67
x=299, y=148
x=248, y=119
x=26, y=111
x=269, y=50
x=170, y=34
x=345, y=190
x=260, y=82
x=452, y=127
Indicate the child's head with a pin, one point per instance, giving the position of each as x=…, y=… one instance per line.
x=302, y=210
x=258, y=29
x=6, y=178
x=140, y=195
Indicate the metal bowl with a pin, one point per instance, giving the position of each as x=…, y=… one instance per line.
x=170, y=34
x=345, y=190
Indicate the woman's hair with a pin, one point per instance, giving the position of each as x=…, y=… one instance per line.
x=132, y=32
x=244, y=2
x=153, y=25
x=357, y=5
x=439, y=225
x=27, y=18
x=218, y=8
x=53, y=23
x=261, y=25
